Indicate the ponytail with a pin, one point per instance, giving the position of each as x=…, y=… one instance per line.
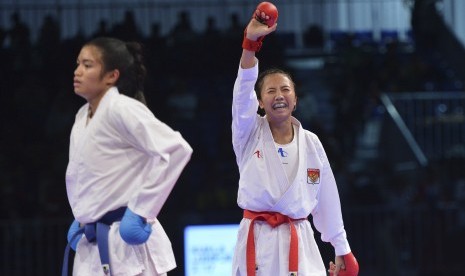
x=139, y=70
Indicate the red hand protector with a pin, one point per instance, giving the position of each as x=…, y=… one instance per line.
x=251, y=45
x=351, y=266
x=268, y=9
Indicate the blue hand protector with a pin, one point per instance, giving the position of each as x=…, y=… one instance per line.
x=73, y=229
x=134, y=229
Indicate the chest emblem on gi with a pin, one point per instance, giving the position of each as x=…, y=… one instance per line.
x=282, y=152
x=313, y=176
x=258, y=154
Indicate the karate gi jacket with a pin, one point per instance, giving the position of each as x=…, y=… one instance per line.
x=264, y=187
x=124, y=156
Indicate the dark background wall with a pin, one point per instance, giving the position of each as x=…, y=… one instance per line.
x=403, y=214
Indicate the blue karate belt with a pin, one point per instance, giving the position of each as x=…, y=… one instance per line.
x=96, y=232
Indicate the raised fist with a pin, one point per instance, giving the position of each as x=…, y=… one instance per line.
x=266, y=13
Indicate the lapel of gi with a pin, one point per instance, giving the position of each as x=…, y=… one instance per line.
x=288, y=195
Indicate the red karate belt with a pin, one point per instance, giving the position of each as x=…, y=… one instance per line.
x=273, y=219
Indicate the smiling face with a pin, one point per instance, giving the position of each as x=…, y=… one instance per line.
x=90, y=81
x=277, y=97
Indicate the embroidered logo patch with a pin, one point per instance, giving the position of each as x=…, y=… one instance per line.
x=282, y=152
x=313, y=176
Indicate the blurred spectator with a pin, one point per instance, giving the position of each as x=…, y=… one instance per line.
x=236, y=27
x=183, y=41
x=156, y=53
x=19, y=43
x=211, y=39
x=48, y=44
x=156, y=39
x=49, y=34
x=313, y=37
x=232, y=36
x=19, y=33
x=127, y=30
x=182, y=32
x=102, y=29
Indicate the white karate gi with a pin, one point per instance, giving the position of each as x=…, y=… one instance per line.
x=264, y=187
x=124, y=156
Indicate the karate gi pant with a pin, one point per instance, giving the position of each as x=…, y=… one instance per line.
x=155, y=257
x=272, y=250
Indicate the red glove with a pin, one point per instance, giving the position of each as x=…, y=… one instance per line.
x=269, y=10
x=251, y=45
x=351, y=265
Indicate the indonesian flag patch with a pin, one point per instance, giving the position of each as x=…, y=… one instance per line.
x=313, y=176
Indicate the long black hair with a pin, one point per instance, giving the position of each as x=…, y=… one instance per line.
x=127, y=57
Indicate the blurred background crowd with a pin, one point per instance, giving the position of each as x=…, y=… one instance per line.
x=388, y=109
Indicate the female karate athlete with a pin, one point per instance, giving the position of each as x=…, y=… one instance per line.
x=284, y=176
x=123, y=164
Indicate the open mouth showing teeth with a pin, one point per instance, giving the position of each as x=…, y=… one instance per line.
x=279, y=105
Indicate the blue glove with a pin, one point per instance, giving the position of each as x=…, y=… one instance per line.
x=134, y=229
x=73, y=229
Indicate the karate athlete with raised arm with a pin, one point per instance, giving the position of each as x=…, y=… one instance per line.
x=284, y=177
x=123, y=164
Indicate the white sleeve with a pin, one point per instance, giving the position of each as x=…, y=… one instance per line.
x=327, y=216
x=153, y=137
x=244, y=108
